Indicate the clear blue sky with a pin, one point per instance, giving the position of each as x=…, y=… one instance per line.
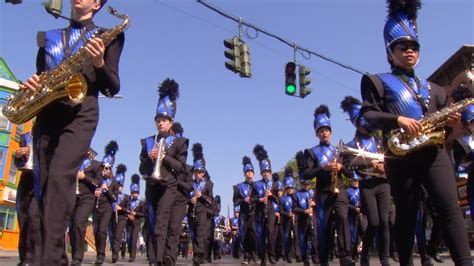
x=181, y=39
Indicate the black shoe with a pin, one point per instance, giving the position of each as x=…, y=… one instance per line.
x=99, y=261
x=196, y=262
x=131, y=260
x=169, y=261
x=114, y=260
x=245, y=261
x=395, y=257
x=288, y=259
x=426, y=261
x=364, y=260
x=315, y=260
x=306, y=263
x=272, y=261
x=73, y=263
x=346, y=261
x=435, y=255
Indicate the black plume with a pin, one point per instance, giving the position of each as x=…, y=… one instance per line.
x=288, y=171
x=169, y=87
x=260, y=152
x=409, y=7
x=246, y=160
x=177, y=128
x=346, y=104
x=301, y=161
x=275, y=177
x=461, y=92
x=322, y=109
x=197, y=151
x=218, y=199
x=121, y=169
x=135, y=179
x=111, y=148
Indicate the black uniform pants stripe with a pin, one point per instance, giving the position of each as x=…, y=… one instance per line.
x=101, y=221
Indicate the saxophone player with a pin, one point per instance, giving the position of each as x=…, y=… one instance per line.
x=89, y=179
x=63, y=130
x=264, y=213
x=319, y=161
x=400, y=99
x=160, y=193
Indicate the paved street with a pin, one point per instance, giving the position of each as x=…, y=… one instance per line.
x=10, y=258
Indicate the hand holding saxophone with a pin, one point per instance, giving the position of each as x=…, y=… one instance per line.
x=23, y=151
x=333, y=167
x=453, y=119
x=80, y=175
x=32, y=84
x=412, y=126
x=95, y=48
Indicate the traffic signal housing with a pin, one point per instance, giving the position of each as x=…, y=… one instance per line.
x=54, y=7
x=233, y=53
x=304, y=81
x=246, y=70
x=15, y=2
x=290, y=78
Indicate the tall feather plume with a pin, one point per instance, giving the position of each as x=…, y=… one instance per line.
x=301, y=161
x=409, y=7
x=346, y=104
x=460, y=93
x=288, y=171
x=322, y=109
x=197, y=151
x=246, y=160
x=135, y=179
x=121, y=169
x=111, y=148
x=177, y=128
x=260, y=152
x=169, y=87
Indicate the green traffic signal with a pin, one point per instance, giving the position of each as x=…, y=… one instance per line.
x=290, y=89
x=290, y=78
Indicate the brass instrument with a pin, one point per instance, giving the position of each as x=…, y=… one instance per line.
x=160, y=146
x=334, y=185
x=63, y=81
x=401, y=143
x=346, y=150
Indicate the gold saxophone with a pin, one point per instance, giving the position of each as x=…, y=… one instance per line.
x=402, y=143
x=64, y=80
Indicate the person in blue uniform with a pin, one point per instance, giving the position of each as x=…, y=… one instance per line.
x=105, y=196
x=265, y=213
x=63, y=130
x=201, y=199
x=235, y=230
x=356, y=218
x=288, y=219
x=88, y=180
x=134, y=217
x=374, y=187
x=400, y=99
x=161, y=189
x=323, y=162
x=121, y=209
x=243, y=197
x=277, y=191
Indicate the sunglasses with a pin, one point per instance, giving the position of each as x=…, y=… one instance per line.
x=405, y=46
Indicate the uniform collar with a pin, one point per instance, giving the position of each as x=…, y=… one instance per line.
x=88, y=23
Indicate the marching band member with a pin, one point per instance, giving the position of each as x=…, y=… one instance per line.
x=218, y=225
x=29, y=244
x=374, y=187
x=63, y=130
x=399, y=100
x=134, y=217
x=264, y=214
x=178, y=210
x=322, y=162
x=288, y=220
x=105, y=196
x=88, y=180
x=243, y=197
x=277, y=190
x=201, y=198
x=161, y=188
x=356, y=220
x=121, y=208
x=235, y=232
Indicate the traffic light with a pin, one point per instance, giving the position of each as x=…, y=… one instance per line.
x=14, y=1
x=304, y=81
x=290, y=78
x=54, y=7
x=233, y=54
x=246, y=71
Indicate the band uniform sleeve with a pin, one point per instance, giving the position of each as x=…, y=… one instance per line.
x=145, y=161
x=108, y=75
x=40, y=60
x=460, y=150
x=207, y=195
x=372, y=108
x=19, y=161
x=314, y=169
x=112, y=191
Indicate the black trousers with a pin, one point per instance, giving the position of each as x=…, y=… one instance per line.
x=235, y=244
x=133, y=228
x=290, y=238
x=83, y=209
x=101, y=218
x=432, y=168
x=375, y=201
x=178, y=211
x=202, y=228
x=325, y=219
x=248, y=239
x=160, y=199
x=307, y=230
x=118, y=233
x=266, y=234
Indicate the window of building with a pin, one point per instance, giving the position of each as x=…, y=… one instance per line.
x=4, y=123
x=7, y=218
x=2, y=162
x=10, y=221
x=13, y=172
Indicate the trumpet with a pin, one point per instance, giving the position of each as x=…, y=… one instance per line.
x=160, y=146
x=361, y=153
